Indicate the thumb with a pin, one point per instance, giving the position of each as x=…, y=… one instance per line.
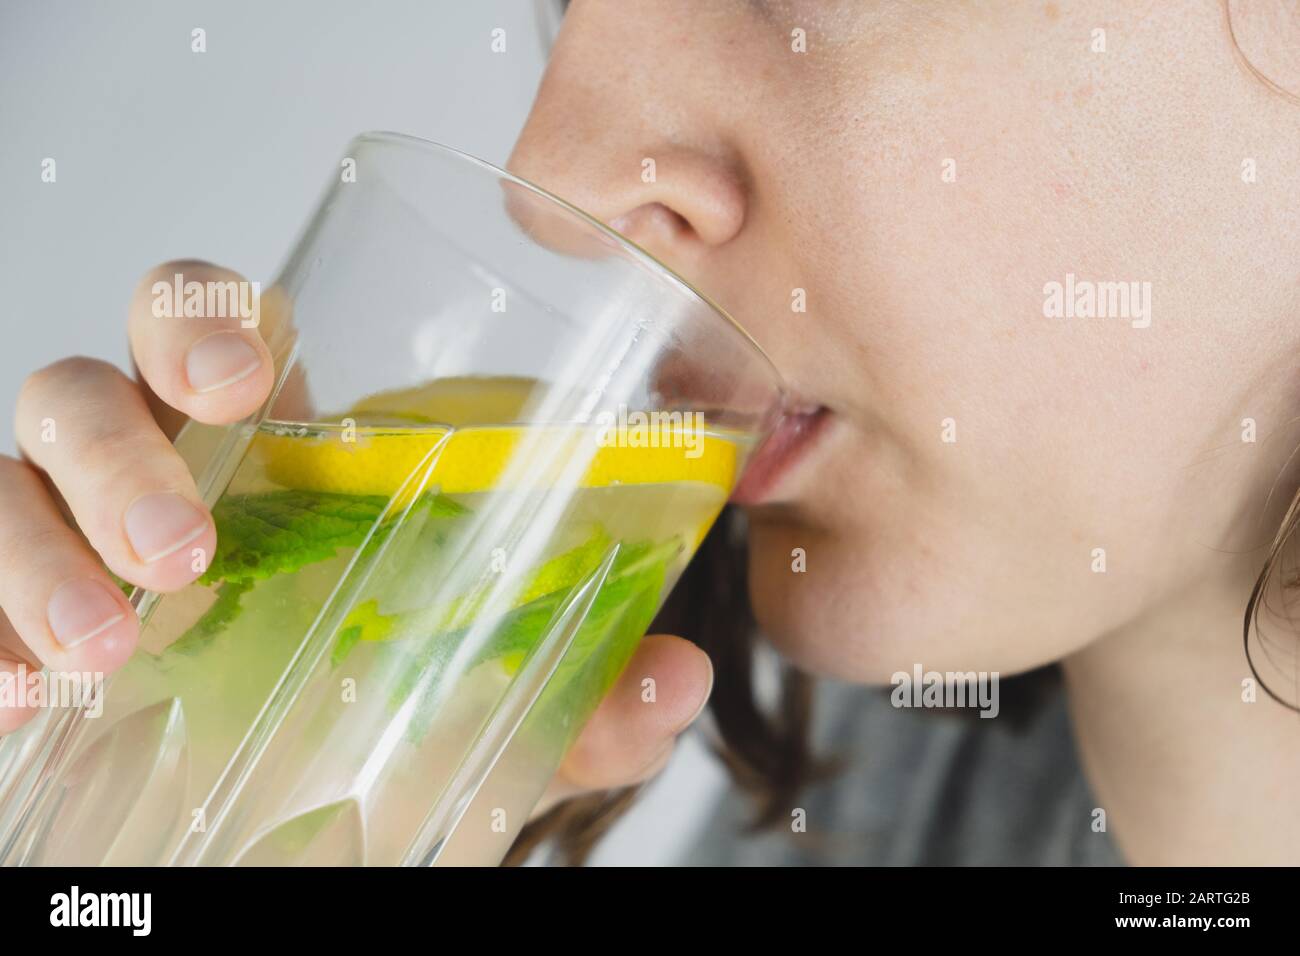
x=631, y=735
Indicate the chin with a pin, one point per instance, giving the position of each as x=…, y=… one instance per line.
x=863, y=615
x=818, y=619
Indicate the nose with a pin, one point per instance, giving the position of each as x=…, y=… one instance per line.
x=617, y=137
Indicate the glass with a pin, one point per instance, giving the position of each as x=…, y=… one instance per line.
x=498, y=433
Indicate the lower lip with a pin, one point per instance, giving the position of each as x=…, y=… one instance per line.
x=791, y=439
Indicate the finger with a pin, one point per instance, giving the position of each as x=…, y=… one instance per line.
x=14, y=709
x=213, y=367
x=631, y=735
x=17, y=664
x=11, y=646
x=87, y=426
x=63, y=607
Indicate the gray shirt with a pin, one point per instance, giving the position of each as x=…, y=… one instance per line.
x=929, y=788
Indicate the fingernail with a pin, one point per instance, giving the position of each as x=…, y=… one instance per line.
x=158, y=525
x=80, y=610
x=218, y=360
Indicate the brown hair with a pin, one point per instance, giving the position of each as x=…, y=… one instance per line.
x=1276, y=601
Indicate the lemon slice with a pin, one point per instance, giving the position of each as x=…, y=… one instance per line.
x=448, y=428
x=382, y=461
x=457, y=400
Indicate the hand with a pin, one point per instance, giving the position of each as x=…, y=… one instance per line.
x=110, y=490
x=629, y=740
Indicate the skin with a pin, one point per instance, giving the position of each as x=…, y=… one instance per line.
x=925, y=303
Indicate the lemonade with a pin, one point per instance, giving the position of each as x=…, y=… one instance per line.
x=404, y=626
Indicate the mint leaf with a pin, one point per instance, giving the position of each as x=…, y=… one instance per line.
x=568, y=568
x=635, y=568
x=363, y=623
x=606, y=639
x=259, y=535
x=214, y=620
x=126, y=587
x=264, y=534
x=348, y=639
x=554, y=576
x=614, y=624
x=278, y=532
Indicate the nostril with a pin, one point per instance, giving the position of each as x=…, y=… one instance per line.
x=652, y=225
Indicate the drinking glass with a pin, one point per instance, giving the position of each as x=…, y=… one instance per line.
x=498, y=432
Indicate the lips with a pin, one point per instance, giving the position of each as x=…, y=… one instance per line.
x=789, y=441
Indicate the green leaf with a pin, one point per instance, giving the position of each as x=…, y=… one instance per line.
x=214, y=620
x=606, y=638
x=363, y=623
x=567, y=569
x=605, y=641
x=348, y=638
x=279, y=532
x=555, y=576
x=260, y=535
x=635, y=569
x=126, y=587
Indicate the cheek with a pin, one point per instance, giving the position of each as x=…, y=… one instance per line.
x=1073, y=435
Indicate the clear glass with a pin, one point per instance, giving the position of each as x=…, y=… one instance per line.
x=498, y=434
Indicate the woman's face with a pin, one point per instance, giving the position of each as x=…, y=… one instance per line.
x=924, y=172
